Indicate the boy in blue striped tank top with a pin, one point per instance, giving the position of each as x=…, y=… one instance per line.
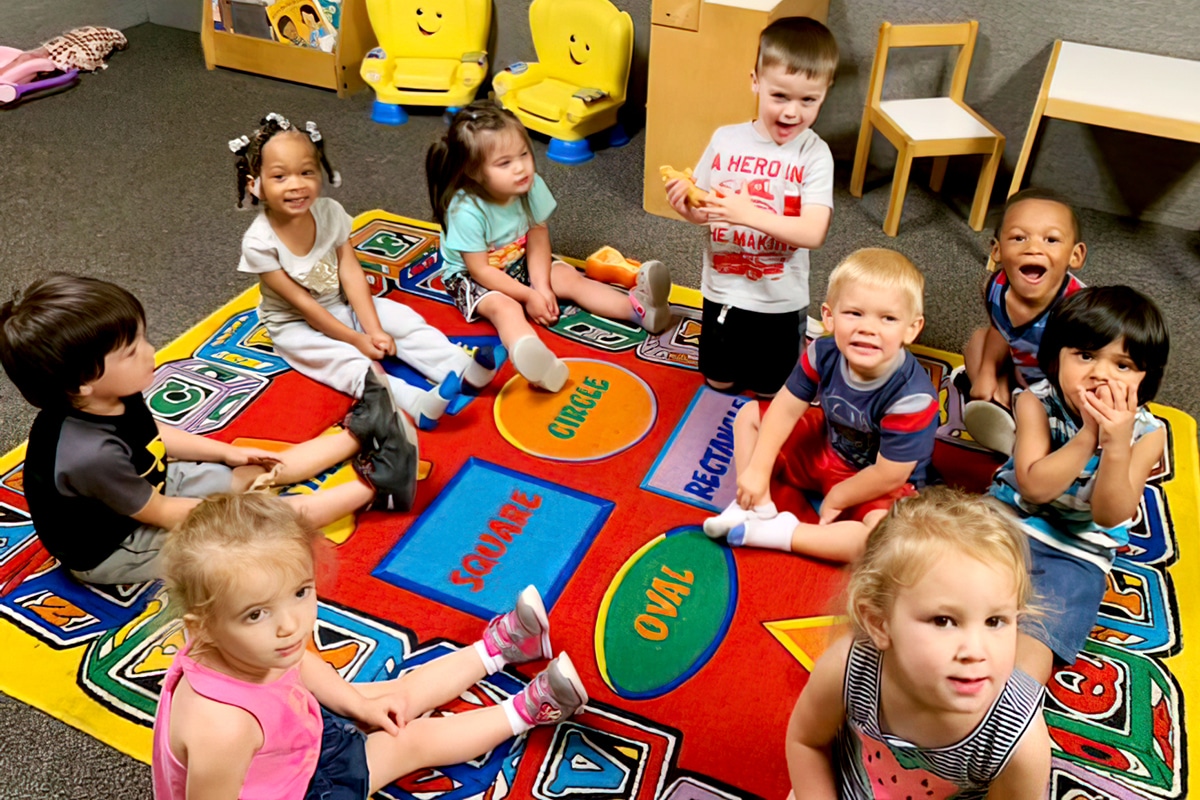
x=923, y=698
x=1086, y=444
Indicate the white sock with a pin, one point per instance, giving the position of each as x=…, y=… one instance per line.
x=492, y=663
x=515, y=721
x=430, y=404
x=407, y=396
x=478, y=376
x=772, y=534
x=734, y=515
x=722, y=523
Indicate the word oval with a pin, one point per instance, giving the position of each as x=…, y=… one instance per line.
x=665, y=613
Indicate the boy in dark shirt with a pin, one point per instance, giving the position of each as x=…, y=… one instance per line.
x=105, y=481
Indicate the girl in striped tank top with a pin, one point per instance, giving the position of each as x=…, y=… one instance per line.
x=923, y=700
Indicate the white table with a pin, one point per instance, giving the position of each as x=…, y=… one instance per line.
x=1116, y=89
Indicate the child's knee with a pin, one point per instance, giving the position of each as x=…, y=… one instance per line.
x=497, y=305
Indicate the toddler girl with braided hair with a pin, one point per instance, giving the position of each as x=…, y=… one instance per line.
x=316, y=302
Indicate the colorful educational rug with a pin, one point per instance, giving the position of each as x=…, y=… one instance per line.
x=693, y=653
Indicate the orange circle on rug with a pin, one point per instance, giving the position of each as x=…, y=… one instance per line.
x=603, y=410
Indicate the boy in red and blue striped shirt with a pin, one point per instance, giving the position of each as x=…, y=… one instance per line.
x=870, y=442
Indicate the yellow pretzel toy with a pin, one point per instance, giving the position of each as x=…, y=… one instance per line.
x=695, y=195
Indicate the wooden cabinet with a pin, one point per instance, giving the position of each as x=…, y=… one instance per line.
x=701, y=56
x=337, y=70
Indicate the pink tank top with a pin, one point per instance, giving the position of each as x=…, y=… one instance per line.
x=287, y=712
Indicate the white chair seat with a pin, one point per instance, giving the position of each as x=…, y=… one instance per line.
x=931, y=118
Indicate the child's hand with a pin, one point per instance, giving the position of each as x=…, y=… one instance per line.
x=832, y=506
x=551, y=301
x=256, y=456
x=539, y=310
x=385, y=712
x=677, y=192
x=366, y=345
x=732, y=209
x=1112, y=408
x=752, y=488
x=383, y=342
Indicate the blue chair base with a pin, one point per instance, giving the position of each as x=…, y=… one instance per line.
x=564, y=152
x=388, y=113
x=617, y=137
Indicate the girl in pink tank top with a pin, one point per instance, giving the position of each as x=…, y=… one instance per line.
x=248, y=708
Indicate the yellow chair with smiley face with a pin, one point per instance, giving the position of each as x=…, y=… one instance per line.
x=578, y=83
x=431, y=53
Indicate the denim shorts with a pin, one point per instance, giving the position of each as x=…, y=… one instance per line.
x=1069, y=591
x=342, y=772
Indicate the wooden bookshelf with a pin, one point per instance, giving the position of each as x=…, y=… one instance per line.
x=337, y=70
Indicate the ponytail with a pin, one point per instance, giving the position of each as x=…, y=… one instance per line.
x=453, y=161
x=438, y=180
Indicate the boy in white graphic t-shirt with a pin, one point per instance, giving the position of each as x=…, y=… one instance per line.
x=772, y=201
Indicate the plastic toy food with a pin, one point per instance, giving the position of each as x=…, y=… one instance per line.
x=695, y=196
x=609, y=266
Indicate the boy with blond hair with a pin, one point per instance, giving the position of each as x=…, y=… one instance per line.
x=870, y=442
x=772, y=201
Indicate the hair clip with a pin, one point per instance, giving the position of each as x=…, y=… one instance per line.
x=336, y=180
x=239, y=145
x=280, y=120
x=313, y=133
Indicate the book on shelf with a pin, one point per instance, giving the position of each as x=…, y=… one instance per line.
x=300, y=23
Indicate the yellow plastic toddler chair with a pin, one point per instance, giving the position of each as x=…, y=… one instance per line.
x=431, y=53
x=578, y=84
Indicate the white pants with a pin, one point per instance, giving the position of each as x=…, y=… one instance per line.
x=343, y=367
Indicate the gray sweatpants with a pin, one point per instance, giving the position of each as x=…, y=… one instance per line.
x=341, y=366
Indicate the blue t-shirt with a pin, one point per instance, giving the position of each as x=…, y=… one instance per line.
x=473, y=225
x=895, y=415
x=1023, y=340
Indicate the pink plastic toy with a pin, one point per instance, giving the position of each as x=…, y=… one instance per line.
x=19, y=73
x=56, y=63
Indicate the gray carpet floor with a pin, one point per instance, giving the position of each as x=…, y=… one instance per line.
x=128, y=177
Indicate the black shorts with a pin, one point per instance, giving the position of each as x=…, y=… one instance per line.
x=752, y=350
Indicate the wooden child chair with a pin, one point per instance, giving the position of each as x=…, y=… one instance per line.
x=928, y=126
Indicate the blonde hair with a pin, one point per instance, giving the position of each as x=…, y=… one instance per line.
x=879, y=268
x=799, y=45
x=917, y=531
x=222, y=537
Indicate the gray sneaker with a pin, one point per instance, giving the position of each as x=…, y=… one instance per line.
x=990, y=425
x=388, y=457
x=555, y=694
x=650, y=296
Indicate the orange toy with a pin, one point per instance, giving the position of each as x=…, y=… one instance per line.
x=608, y=266
x=695, y=196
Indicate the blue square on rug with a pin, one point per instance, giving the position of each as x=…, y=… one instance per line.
x=490, y=533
